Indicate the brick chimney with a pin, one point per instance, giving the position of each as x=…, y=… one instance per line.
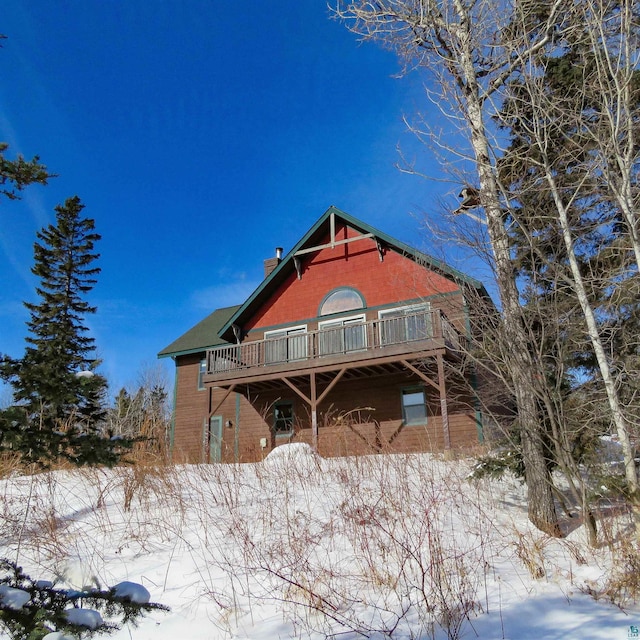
x=271, y=263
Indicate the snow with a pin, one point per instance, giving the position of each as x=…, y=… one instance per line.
x=132, y=591
x=13, y=598
x=88, y=618
x=297, y=546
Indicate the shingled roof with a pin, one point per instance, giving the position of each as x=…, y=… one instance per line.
x=201, y=337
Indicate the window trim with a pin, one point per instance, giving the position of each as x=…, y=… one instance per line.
x=362, y=317
x=299, y=328
x=405, y=391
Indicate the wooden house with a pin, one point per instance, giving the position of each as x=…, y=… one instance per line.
x=344, y=345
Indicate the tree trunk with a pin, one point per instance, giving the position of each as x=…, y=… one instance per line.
x=542, y=511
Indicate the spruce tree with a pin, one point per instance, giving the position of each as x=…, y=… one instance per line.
x=59, y=398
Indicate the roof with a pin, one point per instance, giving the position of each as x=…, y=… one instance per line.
x=286, y=266
x=216, y=329
x=203, y=336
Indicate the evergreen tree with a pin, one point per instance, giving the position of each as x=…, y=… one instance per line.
x=59, y=397
x=572, y=239
x=16, y=174
x=39, y=610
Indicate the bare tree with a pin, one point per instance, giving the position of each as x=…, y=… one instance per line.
x=461, y=45
x=610, y=33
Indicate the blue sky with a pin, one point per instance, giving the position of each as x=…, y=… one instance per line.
x=200, y=135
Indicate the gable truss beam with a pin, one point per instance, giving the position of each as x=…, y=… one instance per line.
x=333, y=245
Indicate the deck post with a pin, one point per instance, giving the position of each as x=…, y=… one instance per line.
x=443, y=403
x=314, y=411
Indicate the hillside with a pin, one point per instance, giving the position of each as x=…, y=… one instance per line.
x=400, y=546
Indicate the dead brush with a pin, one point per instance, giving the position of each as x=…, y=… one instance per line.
x=530, y=551
x=10, y=464
x=152, y=484
x=622, y=587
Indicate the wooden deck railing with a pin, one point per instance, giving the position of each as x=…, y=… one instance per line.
x=370, y=336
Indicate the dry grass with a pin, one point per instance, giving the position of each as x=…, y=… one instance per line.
x=365, y=545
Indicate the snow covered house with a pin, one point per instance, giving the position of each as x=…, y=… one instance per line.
x=344, y=345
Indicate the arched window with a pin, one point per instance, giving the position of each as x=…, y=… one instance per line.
x=341, y=299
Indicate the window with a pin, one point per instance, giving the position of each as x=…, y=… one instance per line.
x=285, y=345
x=201, y=371
x=414, y=408
x=283, y=418
x=405, y=324
x=342, y=335
x=342, y=299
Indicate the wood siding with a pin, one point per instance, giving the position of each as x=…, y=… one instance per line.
x=359, y=414
x=355, y=265
x=371, y=423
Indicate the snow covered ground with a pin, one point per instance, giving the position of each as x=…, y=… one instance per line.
x=400, y=546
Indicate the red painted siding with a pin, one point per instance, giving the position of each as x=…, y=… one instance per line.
x=355, y=265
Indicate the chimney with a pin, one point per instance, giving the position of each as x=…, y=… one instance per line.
x=271, y=263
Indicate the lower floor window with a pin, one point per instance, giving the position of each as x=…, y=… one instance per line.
x=414, y=407
x=283, y=418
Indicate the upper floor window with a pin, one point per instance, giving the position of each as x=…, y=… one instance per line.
x=342, y=335
x=341, y=299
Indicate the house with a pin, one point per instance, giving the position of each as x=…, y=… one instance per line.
x=345, y=345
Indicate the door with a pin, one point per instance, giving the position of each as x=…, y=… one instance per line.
x=342, y=336
x=215, y=439
x=285, y=345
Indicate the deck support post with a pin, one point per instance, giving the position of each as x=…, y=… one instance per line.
x=443, y=403
x=314, y=412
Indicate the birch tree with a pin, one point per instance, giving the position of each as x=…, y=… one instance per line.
x=580, y=151
x=457, y=43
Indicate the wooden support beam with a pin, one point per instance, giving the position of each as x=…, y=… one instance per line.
x=332, y=384
x=444, y=413
x=314, y=400
x=212, y=410
x=314, y=412
x=421, y=374
x=293, y=386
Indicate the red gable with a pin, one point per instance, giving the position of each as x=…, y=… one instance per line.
x=357, y=265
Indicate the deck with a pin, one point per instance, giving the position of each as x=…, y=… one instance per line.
x=369, y=343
